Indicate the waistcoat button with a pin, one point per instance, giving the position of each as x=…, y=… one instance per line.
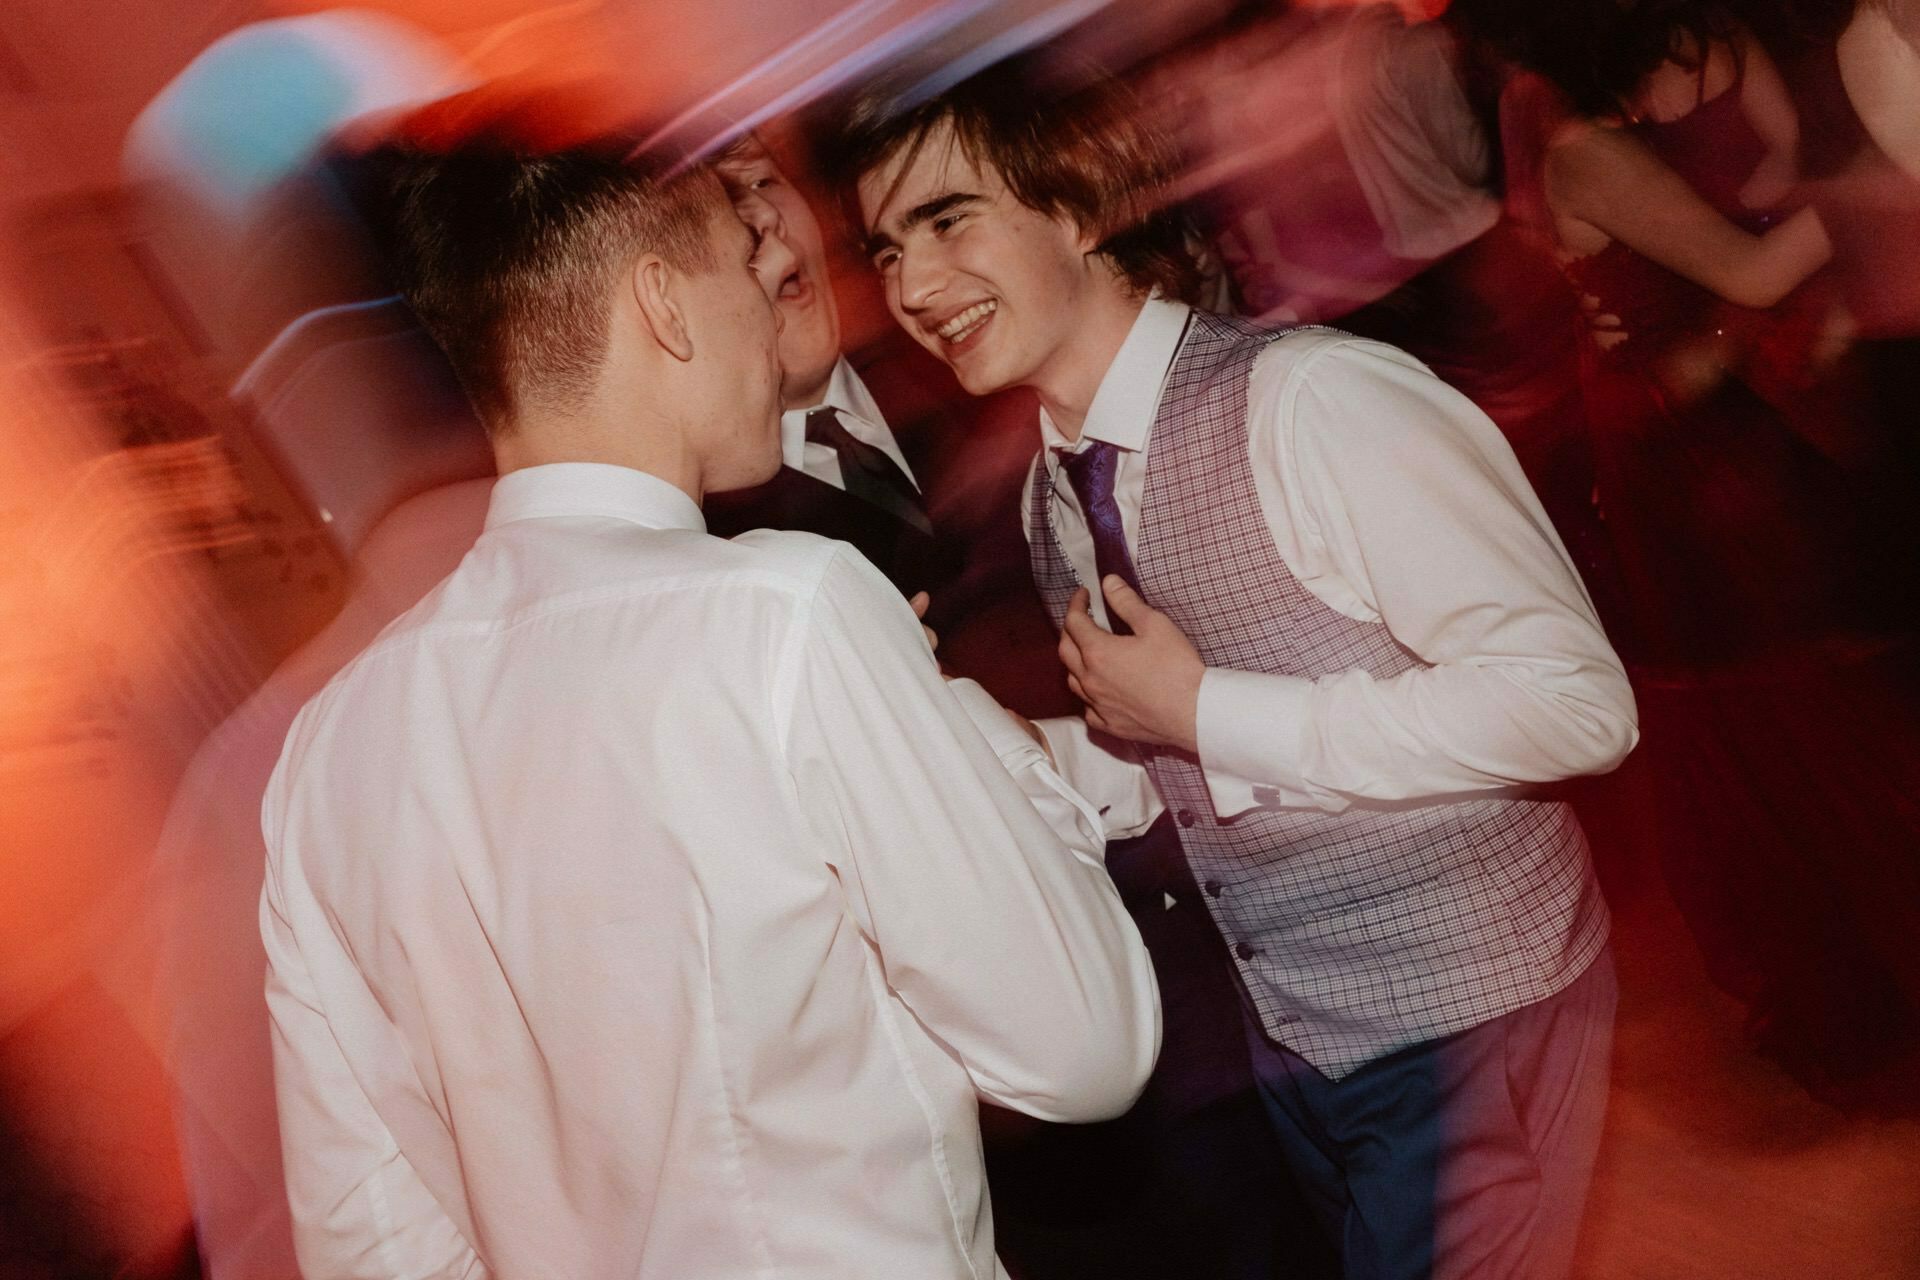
x=1244, y=951
x=1212, y=887
x=1184, y=817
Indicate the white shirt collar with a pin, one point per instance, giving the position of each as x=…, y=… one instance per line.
x=592, y=489
x=845, y=392
x=1123, y=408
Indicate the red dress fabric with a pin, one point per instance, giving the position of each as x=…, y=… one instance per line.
x=1780, y=757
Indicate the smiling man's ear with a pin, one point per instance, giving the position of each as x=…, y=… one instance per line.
x=1086, y=239
x=658, y=290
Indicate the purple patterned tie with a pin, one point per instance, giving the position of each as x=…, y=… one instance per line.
x=1091, y=472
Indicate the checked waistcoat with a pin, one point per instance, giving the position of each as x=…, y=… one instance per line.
x=1360, y=932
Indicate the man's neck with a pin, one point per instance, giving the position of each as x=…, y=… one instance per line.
x=1068, y=384
x=540, y=440
x=811, y=396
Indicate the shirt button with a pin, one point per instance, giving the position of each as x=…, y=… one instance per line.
x=1184, y=817
x=1244, y=951
x=1212, y=887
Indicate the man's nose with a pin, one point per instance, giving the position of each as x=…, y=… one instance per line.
x=773, y=262
x=922, y=274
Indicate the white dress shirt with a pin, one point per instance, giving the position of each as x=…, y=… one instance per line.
x=858, y=414
x=645, y=904
x=1391, y=497
x=1416, y=149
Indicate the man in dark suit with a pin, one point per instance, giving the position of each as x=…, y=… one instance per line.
x=881, y=448
x=844, y=473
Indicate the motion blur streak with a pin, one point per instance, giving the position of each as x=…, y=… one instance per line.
x=108, y=669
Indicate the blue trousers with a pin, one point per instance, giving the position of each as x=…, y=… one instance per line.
x=1464, y=1156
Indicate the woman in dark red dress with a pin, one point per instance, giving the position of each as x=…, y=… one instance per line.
x=1651, y=151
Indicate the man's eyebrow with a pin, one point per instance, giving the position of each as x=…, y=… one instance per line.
x=926, y=211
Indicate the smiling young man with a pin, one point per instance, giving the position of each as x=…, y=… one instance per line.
x=1338, y=637
x=1188, y=1181
x=644, y=903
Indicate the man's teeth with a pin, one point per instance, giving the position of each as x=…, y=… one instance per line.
x=961, y=327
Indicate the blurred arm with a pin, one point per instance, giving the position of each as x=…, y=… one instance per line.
x=1607, y=178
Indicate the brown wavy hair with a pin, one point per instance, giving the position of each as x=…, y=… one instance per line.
x=1069, y=141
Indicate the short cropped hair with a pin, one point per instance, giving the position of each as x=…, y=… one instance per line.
x=507, y=234
x=1080, y=150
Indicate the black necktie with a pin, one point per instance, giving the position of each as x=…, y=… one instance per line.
x=868, y=473
x=1091, y=472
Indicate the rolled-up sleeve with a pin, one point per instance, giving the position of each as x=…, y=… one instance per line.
x=1399, y=501
x=972, y=866
x=1107, y=772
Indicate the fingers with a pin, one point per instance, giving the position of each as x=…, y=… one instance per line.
x=1079, y=625
x=919, y=602
x=1125, y=602
x=1070, y=656
x=1092, y=713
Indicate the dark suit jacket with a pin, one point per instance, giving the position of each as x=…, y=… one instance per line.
x=970, y=458
x=911, y=559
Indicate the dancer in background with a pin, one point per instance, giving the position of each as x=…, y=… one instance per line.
x=1653, y=150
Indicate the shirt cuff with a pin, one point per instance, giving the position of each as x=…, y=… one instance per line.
x=1252, y=730
x=1107, y=772
x=1073, y=817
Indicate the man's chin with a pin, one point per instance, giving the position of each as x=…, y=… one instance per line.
x=976, y=375
x=975, y=378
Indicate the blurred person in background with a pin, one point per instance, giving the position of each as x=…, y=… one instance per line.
x=1854, y=69
x=843, y=473
x=1314, y=612
x=248, y=231
x=1766, y=604
x=631, y=944
x=1342, y=157
x=253, y=213
x=1879, y=54
x=204, y=897
x=1330, y=151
